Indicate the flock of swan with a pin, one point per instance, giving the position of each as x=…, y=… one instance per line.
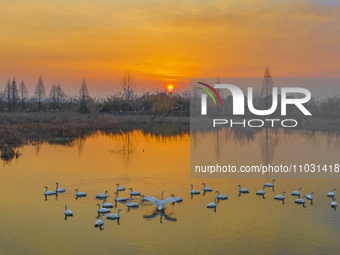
x=160, y=204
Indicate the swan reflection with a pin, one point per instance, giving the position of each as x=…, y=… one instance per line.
x=50, y=195
x=160, y=213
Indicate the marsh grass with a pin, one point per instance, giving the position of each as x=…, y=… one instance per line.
x=17, y=129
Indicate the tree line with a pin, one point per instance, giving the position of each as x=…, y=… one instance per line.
x=16, y=97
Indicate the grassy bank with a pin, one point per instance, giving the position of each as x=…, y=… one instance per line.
x=17, y=129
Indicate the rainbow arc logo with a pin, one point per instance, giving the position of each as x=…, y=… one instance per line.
x=208, y=92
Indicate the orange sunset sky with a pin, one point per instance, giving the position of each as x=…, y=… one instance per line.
x=165, y=42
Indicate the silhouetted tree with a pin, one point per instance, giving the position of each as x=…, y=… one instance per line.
x=61, y=95
x=8, y=94
x=15, y=94
x=2, y=100
x=84, y=96
x=53, y=96
x=23, y=93
x=267, y=86
x=128, y=85
x=83, y=92
x=39, y=93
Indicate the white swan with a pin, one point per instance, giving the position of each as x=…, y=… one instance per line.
x=121, y=199
x=221, y=196
x=144, y=198
x=296, y=193
x=300, y=200
x=60, y=190
x=194, y=191
x=212, y=205
x=178, y=199
x=106, y=205
x=261, y=191
x=334, y=203
x=100, y=222
x=243, y=190
x=206, y=188
x=48, y=193
x=132, y=204
x=113, y=216
x=79, y=193
x=331, y=194
x=268, y=184
x=68, y=212
x=120, y=188
x=101, y=195
x=102, y=210
x=134, y=193
x=161, y=203
x=280, y=197
x=310, y=197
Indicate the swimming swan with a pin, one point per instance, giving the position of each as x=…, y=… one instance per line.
x=144, y=198
x=101, y=195
x=178, y=199
x=331, y=194
x=221, y=196
x=100, y=222
x=310, y=197
x=280, y=197
x=113, y=216
x=48, y=193
x=268, y=184
x=106, y=205
x=102, y=210
x=261, y=191
x=194, y=191
x=296, y=193
x=68, y=212
x=300, y=200
x=212, y=205
x=79, y=193
x=134, y=193
x=121, y=199
x=120, y=188
x=132, y=204
x=334, y=203
x=161, y=203
x=206, y=188
x=60, y=190
x=243, y=190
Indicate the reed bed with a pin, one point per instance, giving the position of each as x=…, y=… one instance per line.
x=17, y=129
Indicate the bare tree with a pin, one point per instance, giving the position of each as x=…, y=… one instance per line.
x=39, y=93
x=61, y=95
x=84, y=97
x=23, y=93
x=15, y=94
x=2, y=100
x=267, y=86
x=53, y=96
x=128, y=85
x=8, y=94
x=83, y=92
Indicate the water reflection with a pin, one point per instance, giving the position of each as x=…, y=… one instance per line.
x=161, y=214
x=51, y=195
x=260, y=147
x=252, y=223
x=127, y=136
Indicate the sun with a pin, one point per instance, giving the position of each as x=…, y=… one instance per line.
x=170, y=87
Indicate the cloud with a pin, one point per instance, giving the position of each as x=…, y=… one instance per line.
x=168, y=40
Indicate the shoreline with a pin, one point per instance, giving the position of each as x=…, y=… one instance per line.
x=18, y=129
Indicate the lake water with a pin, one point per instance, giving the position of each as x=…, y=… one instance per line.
x=246, y=224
